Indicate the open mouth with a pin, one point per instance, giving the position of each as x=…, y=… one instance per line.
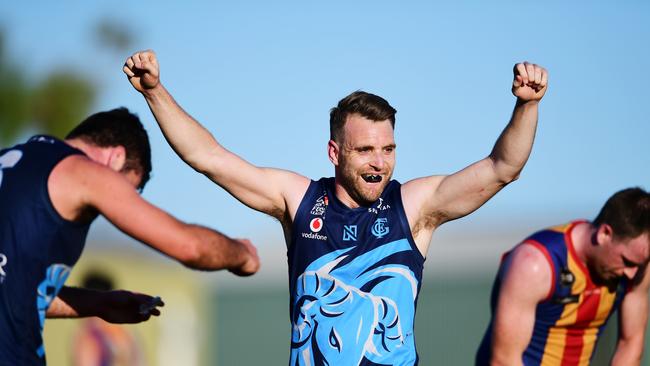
x=371, y=178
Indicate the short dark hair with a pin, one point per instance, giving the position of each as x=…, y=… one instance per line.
x=627, y=212
x=368, y=105
x=119, y=127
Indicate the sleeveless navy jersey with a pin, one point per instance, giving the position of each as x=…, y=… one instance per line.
x=37, y=247
x=354, y=277
x=570, y=320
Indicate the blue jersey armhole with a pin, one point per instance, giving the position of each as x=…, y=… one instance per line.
x=405, y=225
x=44, y=188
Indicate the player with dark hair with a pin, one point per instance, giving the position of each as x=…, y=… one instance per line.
x=118, y=127
x=50, y=192
x=357, y=241
x=556, y=290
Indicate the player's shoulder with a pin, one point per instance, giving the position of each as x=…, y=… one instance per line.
x=78, y=164
x=420, y=189
x=78, y=170
x=530, y=268
x=529, y=253
x=423, y=182
x=529, y=262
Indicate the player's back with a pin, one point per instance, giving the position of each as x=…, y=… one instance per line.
x=37, y=246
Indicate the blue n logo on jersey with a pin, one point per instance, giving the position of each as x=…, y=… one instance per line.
x=379, y=228
x=349, y=232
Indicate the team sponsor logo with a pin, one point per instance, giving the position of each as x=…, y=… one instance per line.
x=349, y=232
x=380, y=228
x=314, y=236
x=380, y=207
x=567, y=278
x=316, y=224
x=319, y=207
x=593, y=292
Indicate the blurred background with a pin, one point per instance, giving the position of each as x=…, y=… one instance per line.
x=262, y=76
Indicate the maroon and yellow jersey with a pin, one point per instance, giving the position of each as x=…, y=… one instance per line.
x=573, y=315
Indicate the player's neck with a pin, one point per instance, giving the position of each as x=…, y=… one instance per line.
x=581, y=236
x=95, y=153
x=343, y=196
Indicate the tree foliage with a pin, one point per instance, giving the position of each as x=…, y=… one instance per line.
x=55, y=103
x=61, y=101
x=14, y=98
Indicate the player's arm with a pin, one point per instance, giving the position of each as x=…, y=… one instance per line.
x=116, y=306
x=91, y=185
x=272, y=191
x=526, y=280
x=442, y=198
x=632, y=323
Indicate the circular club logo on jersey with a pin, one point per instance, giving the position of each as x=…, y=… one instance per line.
x=316, y=224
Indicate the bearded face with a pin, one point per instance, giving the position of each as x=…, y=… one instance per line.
x=614, y=258
x=364, y=160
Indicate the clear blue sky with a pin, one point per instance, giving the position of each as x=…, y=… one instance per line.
x=262, y=76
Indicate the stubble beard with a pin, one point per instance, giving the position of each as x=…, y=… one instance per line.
x=602, y=277
x=350, y=182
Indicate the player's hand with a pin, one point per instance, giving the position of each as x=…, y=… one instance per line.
x=142, y=70
x=252, y=263
x=530, y=82
x=122, y=306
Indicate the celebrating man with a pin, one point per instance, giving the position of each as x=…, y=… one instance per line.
x=357, y=241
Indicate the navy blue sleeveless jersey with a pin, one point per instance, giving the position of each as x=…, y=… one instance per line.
x=37, y=247
x=354, y=277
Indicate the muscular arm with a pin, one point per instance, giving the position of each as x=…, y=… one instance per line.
x=633, y=319
x=113, y=306
x=272, y=191
x=77, y=183
x=433, y=200
x=526, y=280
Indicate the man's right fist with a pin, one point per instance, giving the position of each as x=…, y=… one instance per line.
x=530, y=82
x=142, y=70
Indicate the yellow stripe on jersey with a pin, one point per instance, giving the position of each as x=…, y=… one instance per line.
x=556, y=341
x=607, y=299
x=561, y=228
x=554, y=348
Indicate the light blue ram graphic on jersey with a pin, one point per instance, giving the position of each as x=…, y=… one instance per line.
x=55, y=277
x=348, y=312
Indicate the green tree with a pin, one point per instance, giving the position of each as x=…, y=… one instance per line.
x=57, y=102
x=61, y=101
x=14, y=98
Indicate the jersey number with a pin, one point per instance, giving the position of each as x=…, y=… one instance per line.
x=8, y=160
